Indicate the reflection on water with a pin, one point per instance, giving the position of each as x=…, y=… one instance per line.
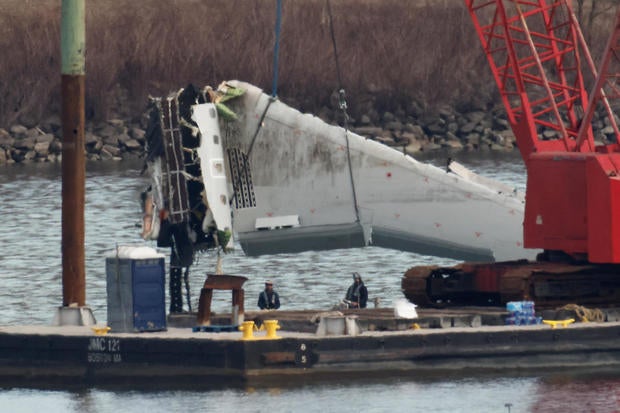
x=30, y=270
x=551, y=393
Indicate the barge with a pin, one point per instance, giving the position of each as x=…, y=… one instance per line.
x=65, y=355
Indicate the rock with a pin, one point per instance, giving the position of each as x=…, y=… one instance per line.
x=500, y=123
x=110, y=140
x=365, y=120
x=415, y=109
x=408, y=136
x=137, y=134
x=47, y=138
x=6, y=140
x=468, y=127
x=55, y=146
x=549, y=134
x=452, y=144
x=98, y=146
x=436, y=128
x=394, y=125
x=415, y=129
x=42, y=148
x=34, y=132
x=385, y=140
x=453, y=127
x=29, y=156
x=413, y=147
x=90, y=139
x=25, y=143
x=388, y=117
x=451, y=137
x=133, y=144
x=447, y=113
x=475, y=117
x=609, y=130
x=430, y=146
x=368, y=130
x=18, y=130
x=110, y=150
x=106, y=131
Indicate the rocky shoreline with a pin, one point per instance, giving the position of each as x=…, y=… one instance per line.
x=445, y=128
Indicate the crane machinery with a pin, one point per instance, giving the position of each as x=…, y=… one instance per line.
x=541, y=64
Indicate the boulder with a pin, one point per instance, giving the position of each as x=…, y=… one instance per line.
x=413, y=147
x=368, y=130
x=47, y=138
x=133, y=144
x=452, y=144
x=90, y=139
x=394, y=125
x=468, y=128
x=388, y=117
x=25, y=143
x=365, y=120
x=42, y=148
x=111, y=150
x=18, y=130
x=475, y=117
x=6, y=140
x=137, y=134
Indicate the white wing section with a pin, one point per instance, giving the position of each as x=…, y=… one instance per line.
x=299, y=167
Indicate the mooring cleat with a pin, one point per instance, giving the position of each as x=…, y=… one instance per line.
x=562, y=323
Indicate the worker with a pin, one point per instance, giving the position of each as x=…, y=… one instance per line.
x=268, y=298
x=176, y=237
x=357, y=294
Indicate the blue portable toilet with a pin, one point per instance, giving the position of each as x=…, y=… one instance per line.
x=136, y=290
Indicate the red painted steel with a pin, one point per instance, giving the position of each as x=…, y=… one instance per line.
x=537, y=55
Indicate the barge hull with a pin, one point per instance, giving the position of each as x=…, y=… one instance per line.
x=58, y=355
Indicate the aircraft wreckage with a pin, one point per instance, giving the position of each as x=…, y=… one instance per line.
x=236, y=158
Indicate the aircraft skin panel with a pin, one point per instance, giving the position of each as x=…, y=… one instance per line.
x=213, y=169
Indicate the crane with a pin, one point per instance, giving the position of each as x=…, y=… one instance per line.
x=541, y=64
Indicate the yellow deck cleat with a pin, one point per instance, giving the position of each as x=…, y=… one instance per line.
x=101, y=331
x=562, y=323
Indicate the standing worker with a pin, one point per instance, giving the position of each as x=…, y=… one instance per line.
x=357, y=294
x=176, y=237
x=268, y=298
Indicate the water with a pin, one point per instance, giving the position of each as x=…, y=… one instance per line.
x=30, y=270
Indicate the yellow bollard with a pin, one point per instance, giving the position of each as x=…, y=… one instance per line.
x=271, y=326
x=248, y=330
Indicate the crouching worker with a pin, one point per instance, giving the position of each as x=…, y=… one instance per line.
x=357, y=294
x=268, y=298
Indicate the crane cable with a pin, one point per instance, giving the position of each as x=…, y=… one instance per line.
x=274, y=91
x=342, y=103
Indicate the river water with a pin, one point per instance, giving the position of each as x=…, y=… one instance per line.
x=30, y=269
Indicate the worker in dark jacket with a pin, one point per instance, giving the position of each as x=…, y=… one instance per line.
x=357, y=294
x=268, y=298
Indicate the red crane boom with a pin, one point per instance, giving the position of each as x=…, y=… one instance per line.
x=538, y=57
x=541, y=64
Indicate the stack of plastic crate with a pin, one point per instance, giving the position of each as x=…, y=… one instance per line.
x=521, y=313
